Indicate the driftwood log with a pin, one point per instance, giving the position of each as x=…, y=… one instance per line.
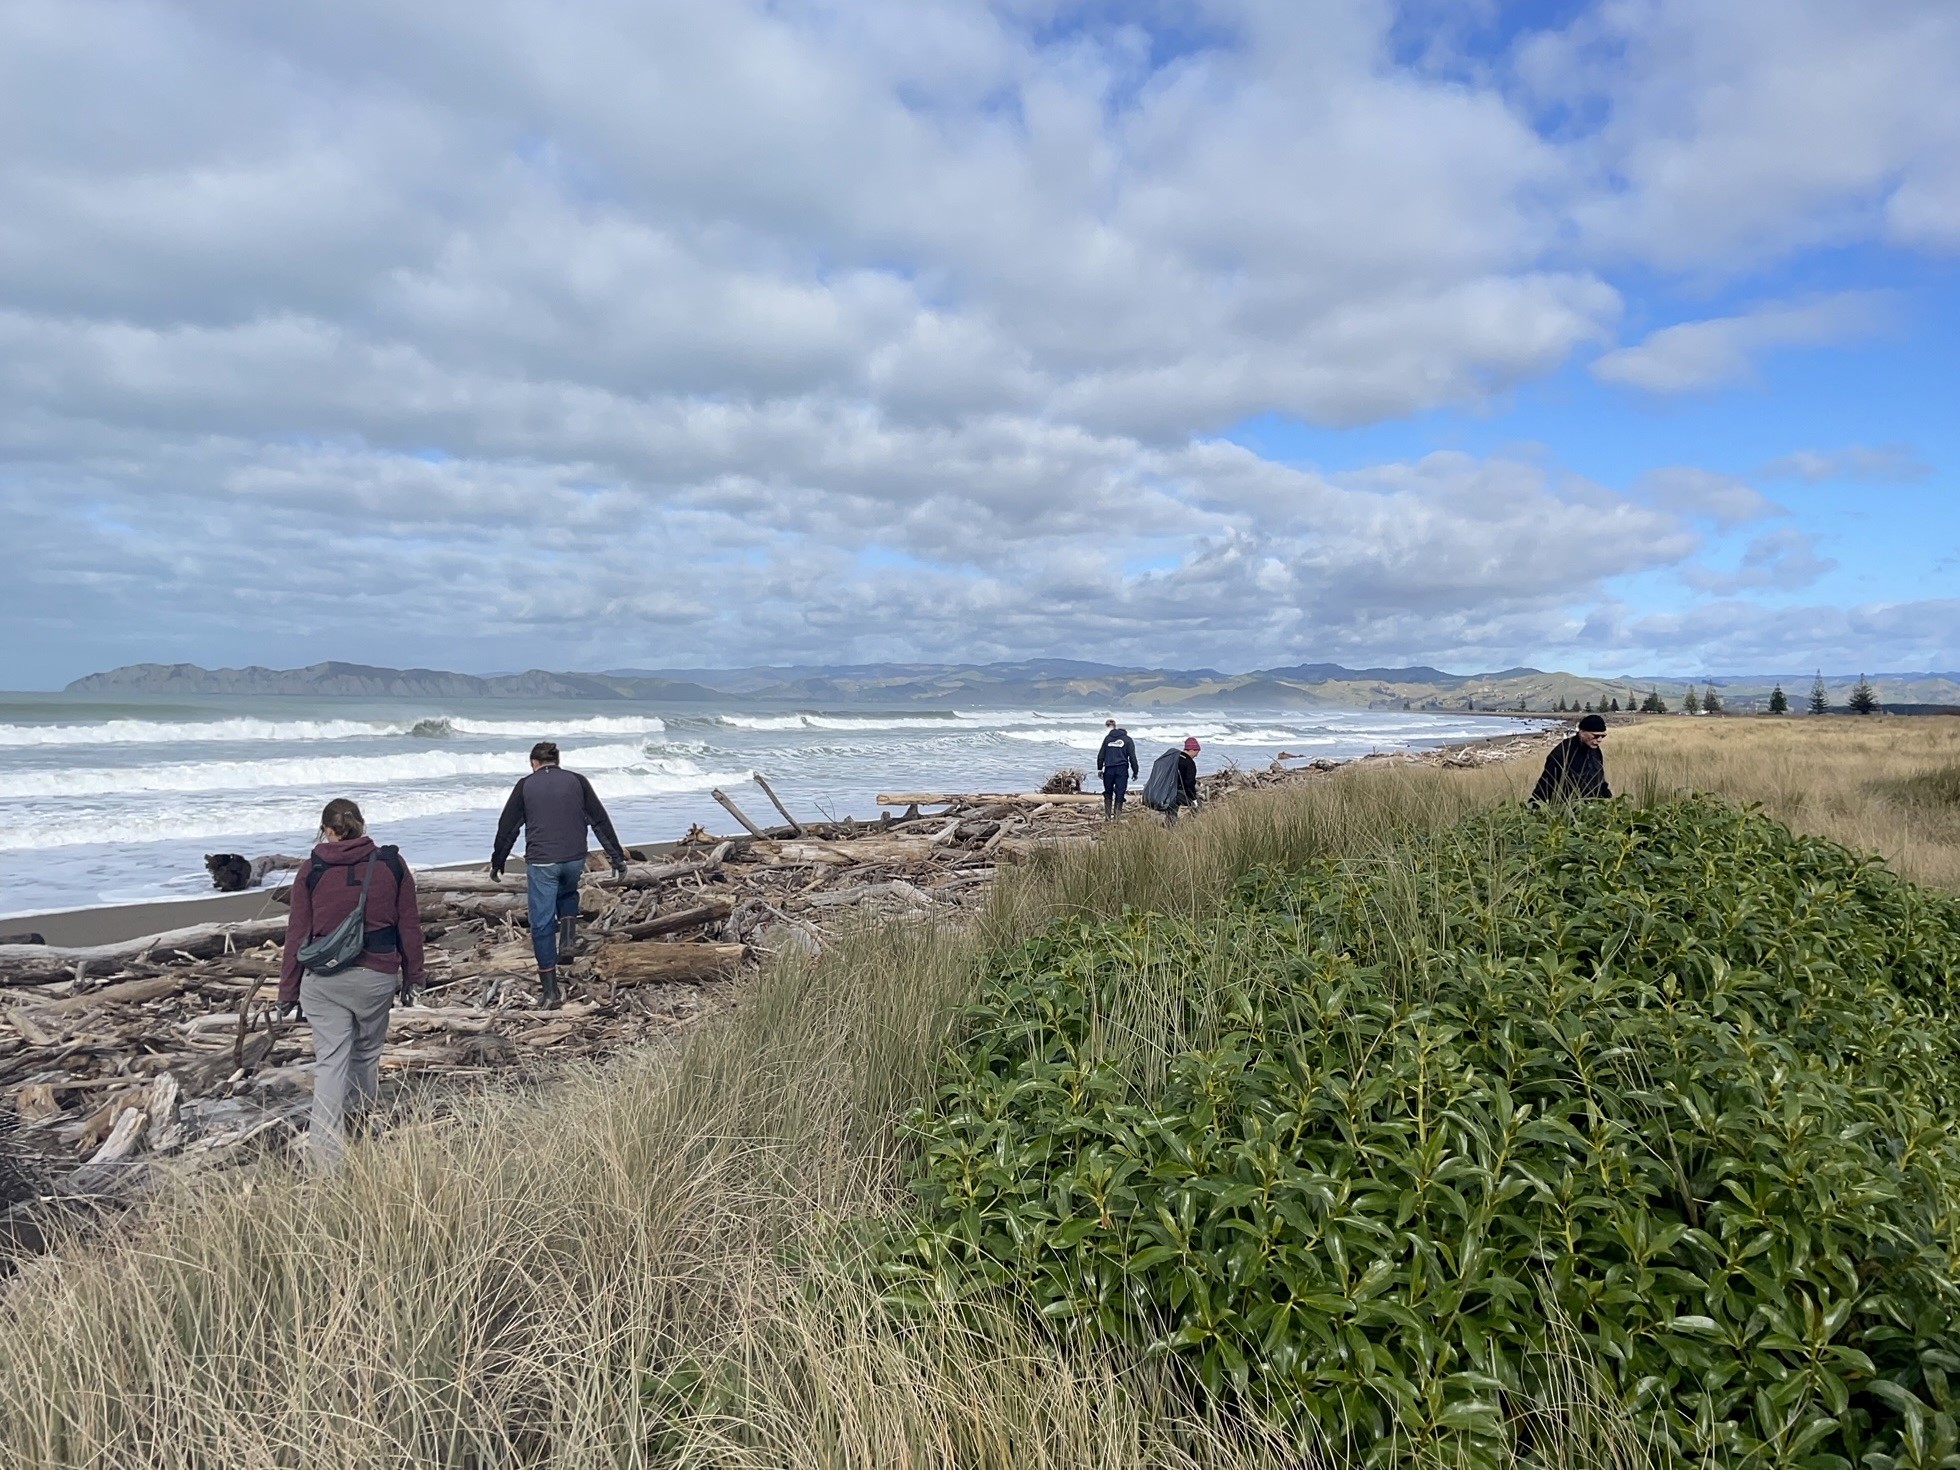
x=635, y=963
x=728, y=804
x=689, y=918
x=988, y=798
x=795, y=827
x=36, y=964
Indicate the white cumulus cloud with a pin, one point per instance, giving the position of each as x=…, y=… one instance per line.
x=1723, y=350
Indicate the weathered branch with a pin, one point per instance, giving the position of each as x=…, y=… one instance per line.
x=707, y=913
x=987, y=798
x=736, y=812
x=648, y=964
x=37, y=964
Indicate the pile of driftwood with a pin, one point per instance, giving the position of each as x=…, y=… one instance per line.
x=117, y=1057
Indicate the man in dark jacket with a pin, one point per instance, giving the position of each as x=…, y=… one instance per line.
x=1575, y=769
x=1117, y=761
x=1187, y=778
x=1173, y=783
x=554, y=806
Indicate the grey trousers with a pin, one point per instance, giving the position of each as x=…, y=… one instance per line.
x=349, y=1012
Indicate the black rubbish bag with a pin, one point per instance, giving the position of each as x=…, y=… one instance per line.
x=1163, y=790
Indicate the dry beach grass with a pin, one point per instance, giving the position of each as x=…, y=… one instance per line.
x=516, y=1285
x=1888, y=784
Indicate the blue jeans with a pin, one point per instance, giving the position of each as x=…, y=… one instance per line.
x=553, y=891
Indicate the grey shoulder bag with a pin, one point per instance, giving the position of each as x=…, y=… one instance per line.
x=338, y=950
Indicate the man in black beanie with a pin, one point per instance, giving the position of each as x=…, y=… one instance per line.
x=1575, y=768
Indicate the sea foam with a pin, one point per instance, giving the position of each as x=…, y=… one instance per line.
x=320, y=771
x=431, y=727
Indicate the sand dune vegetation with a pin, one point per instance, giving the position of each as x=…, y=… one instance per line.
x=1888, y=784
x=687, y=1257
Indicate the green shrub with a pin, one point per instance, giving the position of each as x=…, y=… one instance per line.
x=1375, y=1146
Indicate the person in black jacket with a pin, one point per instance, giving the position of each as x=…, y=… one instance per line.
x=1575, y=769
x=1117, y=761
x=554, y=806
x=1187, y=779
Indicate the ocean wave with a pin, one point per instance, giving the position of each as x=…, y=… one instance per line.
x=443, y=726
x=319, y=771
x=1208, y=734
x=842, y=722
x=164, y=732
x=433, y=727
x=165, y=820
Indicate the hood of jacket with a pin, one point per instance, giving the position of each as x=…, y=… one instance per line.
x=344, y=850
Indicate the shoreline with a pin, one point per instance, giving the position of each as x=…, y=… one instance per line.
x=114, y=923
x=84, y=925
x=164, y=1052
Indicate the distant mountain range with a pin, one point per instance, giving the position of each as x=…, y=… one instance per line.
x=1045, y=683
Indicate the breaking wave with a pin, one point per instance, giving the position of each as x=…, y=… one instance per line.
x=358, y=771
x=290, y=815
x=845, y=722
x=443, y=727
x=435, y=727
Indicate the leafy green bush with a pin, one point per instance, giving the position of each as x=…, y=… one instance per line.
x=1374, y=1147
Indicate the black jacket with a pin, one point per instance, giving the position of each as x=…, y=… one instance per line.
x=554, y=807
x=1187, y=777
x=1573, y=769
x=1117, y=747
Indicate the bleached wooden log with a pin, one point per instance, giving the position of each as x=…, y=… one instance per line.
x=470, y=1019
x=32, y=964
x=476, y=1019
x=647, y=875
x=688, y=918
x=795, y=827
x=428, y=882
x=449, y=887
x=165, y=1131
x=128, y=992
x=844, y=853
x=122, y=1138
x=485, y=906
x=986, y=798
x=105, y=1173
x=644, y=964
x=896, y=888
x=736, y=812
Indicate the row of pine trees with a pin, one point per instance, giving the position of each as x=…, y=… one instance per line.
x=1863, y=700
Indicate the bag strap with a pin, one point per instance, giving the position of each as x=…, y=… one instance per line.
x=367, y=877
x=391, y=855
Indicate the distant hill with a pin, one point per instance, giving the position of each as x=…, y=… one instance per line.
x=1047, y=683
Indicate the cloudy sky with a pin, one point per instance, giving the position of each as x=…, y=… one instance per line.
x=484, y=335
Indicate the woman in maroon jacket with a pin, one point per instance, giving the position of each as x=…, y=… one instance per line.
x=349, y=1011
